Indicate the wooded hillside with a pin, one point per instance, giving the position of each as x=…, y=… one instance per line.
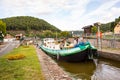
x=28, y=23
x=109, y=26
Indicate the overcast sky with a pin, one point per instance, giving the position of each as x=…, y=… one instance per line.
x=64, y=14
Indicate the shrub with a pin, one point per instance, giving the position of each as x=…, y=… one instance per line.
x=15, y=57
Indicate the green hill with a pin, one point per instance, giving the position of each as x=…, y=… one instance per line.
x=110, y=25
x=27, y=23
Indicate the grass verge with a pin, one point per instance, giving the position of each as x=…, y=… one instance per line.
x=27, y=68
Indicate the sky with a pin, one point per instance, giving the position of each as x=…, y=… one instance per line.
x=66, y=15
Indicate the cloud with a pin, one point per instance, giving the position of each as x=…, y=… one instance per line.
x=64, y=14
x=104, y=12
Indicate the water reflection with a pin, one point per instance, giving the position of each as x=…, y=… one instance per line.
x=104, y=70
x=79, y=70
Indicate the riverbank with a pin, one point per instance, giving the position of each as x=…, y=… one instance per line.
x=50, y=68
x=109, y=53
x=106, y=51
x=23, y=65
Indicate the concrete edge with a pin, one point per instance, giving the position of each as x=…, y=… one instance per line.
x=50, y=69
x=112, y=56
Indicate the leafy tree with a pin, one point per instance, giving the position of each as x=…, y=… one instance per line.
x=47, y=33
x=64, y=34
x=117, y=20
x=110, y=26
x=2, y=27
x=94, y=29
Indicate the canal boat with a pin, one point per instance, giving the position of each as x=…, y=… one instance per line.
x=80, y=53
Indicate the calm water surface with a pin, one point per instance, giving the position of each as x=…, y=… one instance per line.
x=104, y=70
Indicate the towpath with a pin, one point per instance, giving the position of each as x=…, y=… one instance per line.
x=50, y=68
x=8, y=47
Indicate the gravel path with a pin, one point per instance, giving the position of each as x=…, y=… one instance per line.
x=8, y=47
x=50, y=69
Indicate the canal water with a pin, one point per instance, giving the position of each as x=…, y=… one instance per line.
x=100, y=69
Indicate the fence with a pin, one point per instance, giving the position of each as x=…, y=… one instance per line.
x=107, y=41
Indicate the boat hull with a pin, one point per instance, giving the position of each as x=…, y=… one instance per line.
x=85, y=55
x=78, y=57
x=75, y=54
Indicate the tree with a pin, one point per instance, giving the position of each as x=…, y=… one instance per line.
x=64, y=34
x=2, y=27
x=94, y=29
x=1, y=37
x=48, y=33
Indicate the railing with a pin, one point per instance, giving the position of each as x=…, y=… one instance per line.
x=107, y=41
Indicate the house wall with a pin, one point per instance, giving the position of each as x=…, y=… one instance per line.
x=9, y=40
x=117, y=29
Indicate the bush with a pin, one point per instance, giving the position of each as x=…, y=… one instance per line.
x=15, y=57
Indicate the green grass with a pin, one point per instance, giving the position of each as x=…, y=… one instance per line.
x=27, y=68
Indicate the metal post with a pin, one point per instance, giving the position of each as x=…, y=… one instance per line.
x=72, y=33
x=114, y=41
x=99, y=40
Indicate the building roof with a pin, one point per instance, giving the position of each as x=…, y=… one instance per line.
x=87, y=26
